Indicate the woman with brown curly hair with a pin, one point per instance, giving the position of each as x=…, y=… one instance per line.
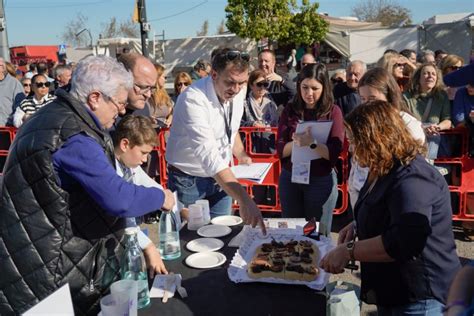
x=402, y=219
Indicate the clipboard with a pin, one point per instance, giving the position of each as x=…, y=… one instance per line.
x=320, y=131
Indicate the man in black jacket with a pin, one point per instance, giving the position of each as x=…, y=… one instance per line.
x=63, y=206
x=281, y=89
x=345, y=93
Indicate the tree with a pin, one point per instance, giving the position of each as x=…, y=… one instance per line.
x=72, y=28
x=110, y=29
x=221, y=28
x=125, y=28
x=204, y=29
x=387, y=12
x=275, y=20
x=306, y=26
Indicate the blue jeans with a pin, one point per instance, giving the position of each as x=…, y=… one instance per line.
x=316, y=199
x=190, y=189
x=429, y=307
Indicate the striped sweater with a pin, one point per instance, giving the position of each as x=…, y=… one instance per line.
x=28, y=107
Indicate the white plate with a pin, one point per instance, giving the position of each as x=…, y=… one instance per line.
x=214, y=231
x=205, y=244
x=227, y=220
x=205, y=260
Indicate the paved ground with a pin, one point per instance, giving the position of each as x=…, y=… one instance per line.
x=465, y=251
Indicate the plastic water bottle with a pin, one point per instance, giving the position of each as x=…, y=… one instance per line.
x=169, y=237
x=133, y=266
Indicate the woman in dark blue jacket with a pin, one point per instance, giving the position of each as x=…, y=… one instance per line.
x=402, y=219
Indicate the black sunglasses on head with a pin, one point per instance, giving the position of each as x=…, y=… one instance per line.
x=43, y=84
x=234, y=54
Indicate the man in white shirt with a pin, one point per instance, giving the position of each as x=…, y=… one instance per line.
x=204, y=136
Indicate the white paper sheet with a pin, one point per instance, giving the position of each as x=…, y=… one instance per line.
x=58, y=303
x=320, y=131
x=255, y=172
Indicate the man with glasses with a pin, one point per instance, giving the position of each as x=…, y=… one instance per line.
x=346, y=95
x=63, y=207
x=144, y=81
x=204, y=137
x=281, y=89
x=11, y=94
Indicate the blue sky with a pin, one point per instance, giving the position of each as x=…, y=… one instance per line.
x=40, y=22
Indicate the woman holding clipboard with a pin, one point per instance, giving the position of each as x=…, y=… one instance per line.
x=308, y=185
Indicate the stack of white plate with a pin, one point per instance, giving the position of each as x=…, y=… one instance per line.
x=206, y=255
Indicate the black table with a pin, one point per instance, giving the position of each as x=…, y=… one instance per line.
x=211, y=292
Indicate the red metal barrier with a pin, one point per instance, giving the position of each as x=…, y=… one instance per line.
x=270, y=183
x=6, y=138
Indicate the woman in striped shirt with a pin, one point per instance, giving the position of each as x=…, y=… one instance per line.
x=38, y=97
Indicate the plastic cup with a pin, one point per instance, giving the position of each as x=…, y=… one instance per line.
x=196, y=219
x=126, y=290
x=111, y=305
x=206, y=211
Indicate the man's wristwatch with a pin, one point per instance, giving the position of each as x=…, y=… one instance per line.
x=350, y=247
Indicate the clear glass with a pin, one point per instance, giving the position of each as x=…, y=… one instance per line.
x=169, y=244
x=133, y=267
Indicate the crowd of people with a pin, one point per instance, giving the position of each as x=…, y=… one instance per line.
x=73, y=179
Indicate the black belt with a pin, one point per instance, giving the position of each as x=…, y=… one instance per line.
x=176, y=170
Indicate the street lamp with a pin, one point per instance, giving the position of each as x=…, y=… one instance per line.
x=90, y=36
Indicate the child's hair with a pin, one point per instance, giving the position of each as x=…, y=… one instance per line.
x=138, y=129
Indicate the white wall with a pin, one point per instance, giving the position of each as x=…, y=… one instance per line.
x=369, y=45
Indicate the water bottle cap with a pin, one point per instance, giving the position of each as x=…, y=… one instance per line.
x=131, y=231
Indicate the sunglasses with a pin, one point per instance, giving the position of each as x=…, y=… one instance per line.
x=262, y=84
x=399, y=65
x=455, y=67
x=42, y=84
x=26, y=85
x=234, y=54
x=180, y=84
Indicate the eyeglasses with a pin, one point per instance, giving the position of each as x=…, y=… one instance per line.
x=180, y=84
x=399, y=65
x=262, y=84
x=145, y=89
x=42, y=84
x=26, y=85
x=234, y=54
x=118, y=105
